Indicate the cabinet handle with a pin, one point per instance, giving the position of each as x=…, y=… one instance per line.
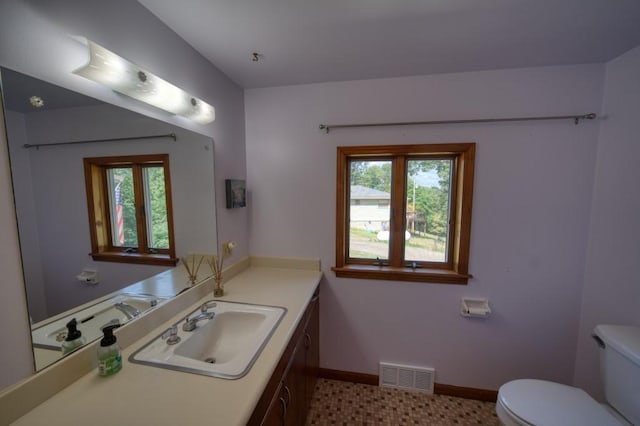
x=307, y=340
x=288, y=392
x=284, y=409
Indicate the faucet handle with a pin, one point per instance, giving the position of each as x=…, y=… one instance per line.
x=206, y=305
x=171, y=335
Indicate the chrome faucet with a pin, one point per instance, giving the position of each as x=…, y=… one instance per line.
x=191, y=323
x=171, y=335
x=129, y=311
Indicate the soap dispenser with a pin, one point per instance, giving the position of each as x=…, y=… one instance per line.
x=74, y=338
x=109, y=354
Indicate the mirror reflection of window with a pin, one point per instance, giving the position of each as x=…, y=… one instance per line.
x=156, y=199
x=137, y=225
x=120, y=182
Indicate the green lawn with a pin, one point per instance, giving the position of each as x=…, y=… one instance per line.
x=364, y=244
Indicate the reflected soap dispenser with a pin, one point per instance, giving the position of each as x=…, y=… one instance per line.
x=109, y=353
x=74, y=338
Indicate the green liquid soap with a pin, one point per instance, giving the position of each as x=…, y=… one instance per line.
x=109, y=353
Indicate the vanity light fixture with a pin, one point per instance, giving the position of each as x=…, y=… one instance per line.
x=122, y=76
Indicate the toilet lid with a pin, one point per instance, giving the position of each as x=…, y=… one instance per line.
x=545, y=403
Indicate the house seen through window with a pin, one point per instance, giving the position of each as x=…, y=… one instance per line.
x=403, y=212
x=129, y=200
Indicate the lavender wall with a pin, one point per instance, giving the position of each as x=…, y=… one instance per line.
x=530, y=217
x=35, y=39
x=611, y=286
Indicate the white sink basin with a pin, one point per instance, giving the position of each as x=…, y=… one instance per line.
x=121, y=308
x=225, y=346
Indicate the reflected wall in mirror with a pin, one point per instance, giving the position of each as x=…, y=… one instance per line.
x=50, y=194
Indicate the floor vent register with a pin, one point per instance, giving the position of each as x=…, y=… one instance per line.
x=407, y=377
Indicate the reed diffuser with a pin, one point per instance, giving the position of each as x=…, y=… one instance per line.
x=192, y=268
x=216, y=263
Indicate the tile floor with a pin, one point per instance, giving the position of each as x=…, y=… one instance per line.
x=345, y=403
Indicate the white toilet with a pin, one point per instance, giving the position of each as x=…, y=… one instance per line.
x=542, y=403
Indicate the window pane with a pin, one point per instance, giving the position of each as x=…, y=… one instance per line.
x=369, y=209
x=156, y=201
x=428, y=207
x=124, y=232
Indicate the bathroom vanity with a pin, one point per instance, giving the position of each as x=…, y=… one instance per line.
x=287, y=397
x=277, y=388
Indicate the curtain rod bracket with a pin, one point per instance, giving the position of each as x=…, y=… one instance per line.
x=589, y=116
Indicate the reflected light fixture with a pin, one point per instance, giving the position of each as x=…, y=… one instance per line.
x=36, y=101
x=120, y=75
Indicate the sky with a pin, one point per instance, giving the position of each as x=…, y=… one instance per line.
x=429, y=178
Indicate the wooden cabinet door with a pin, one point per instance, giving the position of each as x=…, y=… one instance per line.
x=311, y=341
x=288, y=402
x=295, y=387
x=277, y=409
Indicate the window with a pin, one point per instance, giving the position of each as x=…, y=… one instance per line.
x=404, y=212
x=129, y=203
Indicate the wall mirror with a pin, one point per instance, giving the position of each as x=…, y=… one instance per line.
x=51, y=198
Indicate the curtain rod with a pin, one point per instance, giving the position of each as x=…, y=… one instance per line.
x=576, y=119
x=132, y=138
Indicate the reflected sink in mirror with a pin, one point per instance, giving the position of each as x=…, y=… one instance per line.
x=224, y=346
x=119, y=309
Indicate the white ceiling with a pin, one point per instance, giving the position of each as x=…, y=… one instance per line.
x=307, y=41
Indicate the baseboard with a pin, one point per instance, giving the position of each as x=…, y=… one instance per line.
x=463, y=392
x=348, y=376
x=440, y=389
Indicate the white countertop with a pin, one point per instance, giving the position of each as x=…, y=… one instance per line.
x=144, y=395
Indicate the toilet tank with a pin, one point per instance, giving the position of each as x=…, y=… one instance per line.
x=620, y=368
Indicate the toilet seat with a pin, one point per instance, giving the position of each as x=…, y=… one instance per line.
x=542, y=403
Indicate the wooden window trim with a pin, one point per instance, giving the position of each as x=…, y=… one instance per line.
x=100, y=230
x=456, y=270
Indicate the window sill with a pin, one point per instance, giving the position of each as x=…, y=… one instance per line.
x=401, y=274
x=138, y=258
